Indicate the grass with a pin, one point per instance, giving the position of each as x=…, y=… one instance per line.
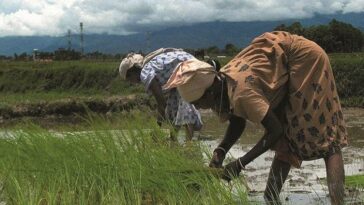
x=355, y=181
x=353, y=101
x=34, y=81
x=355, y=186
x=7, y=99
x=36, y=97
x=54, y=65
x=106, y=167
x=66, y=76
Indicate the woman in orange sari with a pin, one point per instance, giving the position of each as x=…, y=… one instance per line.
x=285, y=82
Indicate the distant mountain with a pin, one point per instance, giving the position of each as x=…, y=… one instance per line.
x=200, y=35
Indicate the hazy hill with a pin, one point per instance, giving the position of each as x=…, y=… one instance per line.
x=193, y=36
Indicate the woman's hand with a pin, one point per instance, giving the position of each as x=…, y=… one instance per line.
x=232, y=134
x=232, y=170
x=218, y=157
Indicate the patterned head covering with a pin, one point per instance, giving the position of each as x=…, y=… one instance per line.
x=191, y=78
x=132, y=59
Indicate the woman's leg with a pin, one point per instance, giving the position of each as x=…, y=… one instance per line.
x=189, y=132
x=335, y=177
x=277, y=176
x=173, y=133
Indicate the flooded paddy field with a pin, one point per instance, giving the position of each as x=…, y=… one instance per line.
x=306, y=185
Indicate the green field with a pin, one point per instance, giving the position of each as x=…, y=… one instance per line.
x=97, y=163
x=37, y=84
x=78, y=77
x=35, y=81
x=38, y=89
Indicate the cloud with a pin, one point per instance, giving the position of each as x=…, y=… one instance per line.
x=53, y=17
x=354, y=6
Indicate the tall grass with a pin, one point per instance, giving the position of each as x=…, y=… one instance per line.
x=133, y=166
x=355, y=181
x=355, y=187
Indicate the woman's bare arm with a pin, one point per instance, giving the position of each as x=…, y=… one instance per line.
x=274, y=132
x=233, y=132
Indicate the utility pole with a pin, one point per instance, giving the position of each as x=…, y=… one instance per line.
x=148, y=34
x=69, y=39
x=81, y=37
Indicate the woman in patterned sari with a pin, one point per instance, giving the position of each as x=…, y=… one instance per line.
x=153, y=71
x=285, y=82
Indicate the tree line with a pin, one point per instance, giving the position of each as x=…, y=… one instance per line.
x=338, y=37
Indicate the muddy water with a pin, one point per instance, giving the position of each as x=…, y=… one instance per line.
x=305, y=185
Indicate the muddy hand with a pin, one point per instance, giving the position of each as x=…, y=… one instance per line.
x=231, y=170
x=218, y=157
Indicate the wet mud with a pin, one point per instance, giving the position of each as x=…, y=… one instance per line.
x=306, y=185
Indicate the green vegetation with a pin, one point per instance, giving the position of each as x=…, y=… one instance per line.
x=335, y=37
x=37, y=83
x=33, y=83
x=355, y=181
x=349, y=76
x=133, y=166
x=88, y=77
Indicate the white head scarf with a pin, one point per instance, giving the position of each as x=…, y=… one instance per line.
x=132, y=59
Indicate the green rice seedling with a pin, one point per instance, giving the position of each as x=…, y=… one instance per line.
x=136, y=165
x=355, y=181
x=355, y=186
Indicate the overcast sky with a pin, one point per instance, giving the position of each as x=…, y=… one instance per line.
x=55, y=17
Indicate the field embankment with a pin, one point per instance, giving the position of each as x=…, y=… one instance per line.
x=69, y=106
x=87, y=77
x=66, y=87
